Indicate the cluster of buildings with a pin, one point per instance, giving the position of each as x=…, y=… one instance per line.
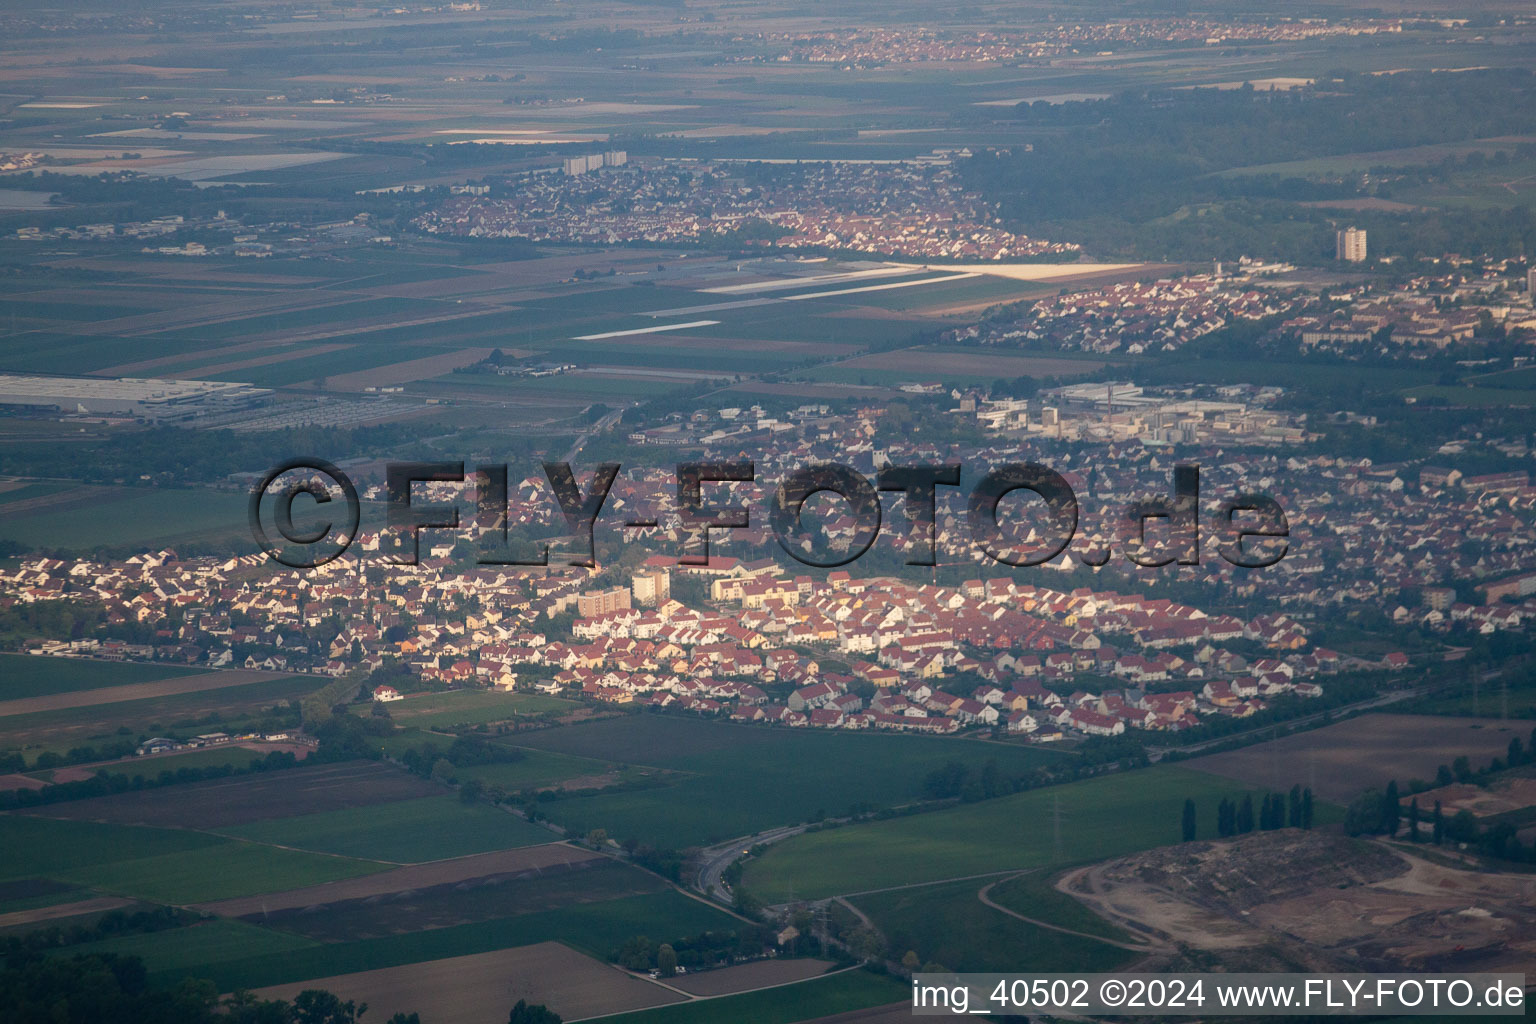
x=574, y=165
x=909, y=209
x=1419, y=318
x=1014, y=650
x=1119, y=411
x=766, y=641
x=1136, y=316
x=865, y=47
x=158, y=401
x=157, y=227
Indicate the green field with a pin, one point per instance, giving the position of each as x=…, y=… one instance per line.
x=405, y=832
x=1476, y=397
x=1100, y=818
x=946, y=924
x=1034, y=895
x=23, y=675
x=217, y=872
x=27, y=491
x=151, y=767
x=596, y=928
x=1519, y=701
x=818, y=997
x=173, y=866
x=542, y=768
x=1316, y=377
x=474, y=707
x=735, y=780
x=31, y=893
x=208, y=942
x=44, y=847
x=141, y=518
x=63, y=729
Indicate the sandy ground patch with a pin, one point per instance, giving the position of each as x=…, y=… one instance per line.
x=484, y=987
x=742, y=977
x=1503, y=796
x=414, y=876
x=95, y=906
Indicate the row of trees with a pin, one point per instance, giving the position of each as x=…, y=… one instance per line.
x=1275, y=811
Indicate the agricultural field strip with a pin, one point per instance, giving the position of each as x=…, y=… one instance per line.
x=658, y=329
x=812, y=281
x=414, y=876
x=474, y=988
x=216, y=680
x=775, y=299
x=96, y=905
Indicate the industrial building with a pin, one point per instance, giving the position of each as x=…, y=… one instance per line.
x=148, y=399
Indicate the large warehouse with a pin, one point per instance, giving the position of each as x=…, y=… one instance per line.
x=149, y=399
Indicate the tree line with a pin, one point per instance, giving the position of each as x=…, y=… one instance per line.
x=1235, y=818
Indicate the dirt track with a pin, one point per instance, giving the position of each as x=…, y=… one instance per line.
x=99, y=905
x=415, y=876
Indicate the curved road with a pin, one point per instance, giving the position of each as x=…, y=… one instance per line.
x=719, y=857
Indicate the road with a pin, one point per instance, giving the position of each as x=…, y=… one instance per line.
x=597, y=428
x=718, y=858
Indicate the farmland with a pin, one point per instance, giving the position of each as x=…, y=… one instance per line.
x=103, y=690
x=467, y=902
x=399, y=879
x=540, y=769
x=594, y=928
x=475, y=707
x=141, y=710
x=735, y=780
x=221, y=803
x=31, y=676
x=223, y=871
x=479, y=987
x=404, y=831
x=946, y=924
x=1099, y=817
x=138, y=519
x=1034, y=895
x=1340, y=761
x=179, y=949
x=160, y=865
x=837, y=993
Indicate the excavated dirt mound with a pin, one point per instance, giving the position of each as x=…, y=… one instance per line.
x=1319, y=902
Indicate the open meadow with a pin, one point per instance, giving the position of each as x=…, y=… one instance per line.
x=730, y=780
x=1098, y=817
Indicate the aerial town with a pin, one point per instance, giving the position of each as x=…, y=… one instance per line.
x=708, y=511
